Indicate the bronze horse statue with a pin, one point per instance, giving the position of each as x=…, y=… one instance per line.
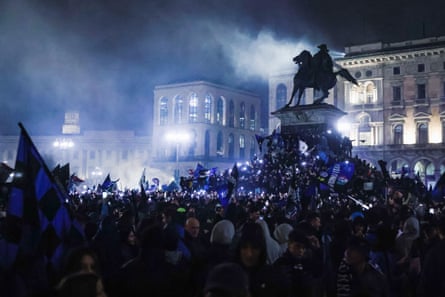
x=316, y=72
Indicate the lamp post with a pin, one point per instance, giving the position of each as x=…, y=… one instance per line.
x=178, y=138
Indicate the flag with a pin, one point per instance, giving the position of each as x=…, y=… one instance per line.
x=38, y=228
x=259, y=140
x=62, y=176
x=439, y=190
x=5, y=172
x=143, y=181
x=109, y=185
x=74, y=182
x=232, y=181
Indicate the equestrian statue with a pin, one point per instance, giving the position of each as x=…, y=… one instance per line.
x=317, y=72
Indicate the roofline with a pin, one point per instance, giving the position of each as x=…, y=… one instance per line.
x=205, y=83
x=395, y=47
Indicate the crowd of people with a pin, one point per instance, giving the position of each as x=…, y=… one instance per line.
x=315, y=229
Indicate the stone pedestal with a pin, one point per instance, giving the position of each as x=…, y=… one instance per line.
x=311, y=118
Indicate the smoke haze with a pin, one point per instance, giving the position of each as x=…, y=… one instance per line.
x=103, y=58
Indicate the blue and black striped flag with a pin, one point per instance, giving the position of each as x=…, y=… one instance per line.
x=38, y=227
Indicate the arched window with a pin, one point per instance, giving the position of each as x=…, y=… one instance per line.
x=231, y=143
x=219, y=144
x=193, y=108
x=252, y=117
x=242, y=147
x=422, y=133
x=252, y=147
x=219, y=118
x=371, y=94
x=355, y=95
x=398, y=167
x=179, y=108
x=163, y=111
x=242, y=115
x=231, y=114
x=398, y=134
x=208, y=101
x=281, y=94
x=425, y=170
x=207, y=144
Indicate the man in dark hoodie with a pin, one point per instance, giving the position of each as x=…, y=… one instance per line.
x=297, y=264
x=264, y=280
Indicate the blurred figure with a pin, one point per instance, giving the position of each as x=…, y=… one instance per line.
x=251, y=254
x=273, y=249
x=281, y=234
x=297, y=264
x=227, y=280
x=81, y=285
x=220, y=242
x=356, y=277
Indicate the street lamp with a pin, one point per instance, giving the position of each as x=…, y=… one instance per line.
x=177, y=137
x=97, y=174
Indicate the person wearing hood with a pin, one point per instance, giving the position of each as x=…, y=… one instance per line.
x=158, y=270
x=281, y=234
x=298, y=265
x=221, y=239
x=251, y=255
x=273, y=248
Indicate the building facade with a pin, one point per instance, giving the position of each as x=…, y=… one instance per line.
x=91, y=154
x=397, y=112
x=203, y=122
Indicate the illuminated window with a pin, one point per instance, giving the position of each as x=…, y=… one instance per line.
x=163, y=111
x=242, y=115
x=356, y=95
x=281, y=95
x=371, y=93
x=398, y=134
x=231, y=114
x=179, y=107
x=231, y=143
x=219, y=119
x=208, y=100
x=193, y=108
x=242, y=146
x=252, y=118
x=422, y=133
x=421, y=91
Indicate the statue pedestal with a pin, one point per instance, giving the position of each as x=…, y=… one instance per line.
x=311, y=118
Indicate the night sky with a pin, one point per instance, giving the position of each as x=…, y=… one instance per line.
x=104, y=58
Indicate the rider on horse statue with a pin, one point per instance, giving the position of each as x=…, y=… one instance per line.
x=316, y=72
